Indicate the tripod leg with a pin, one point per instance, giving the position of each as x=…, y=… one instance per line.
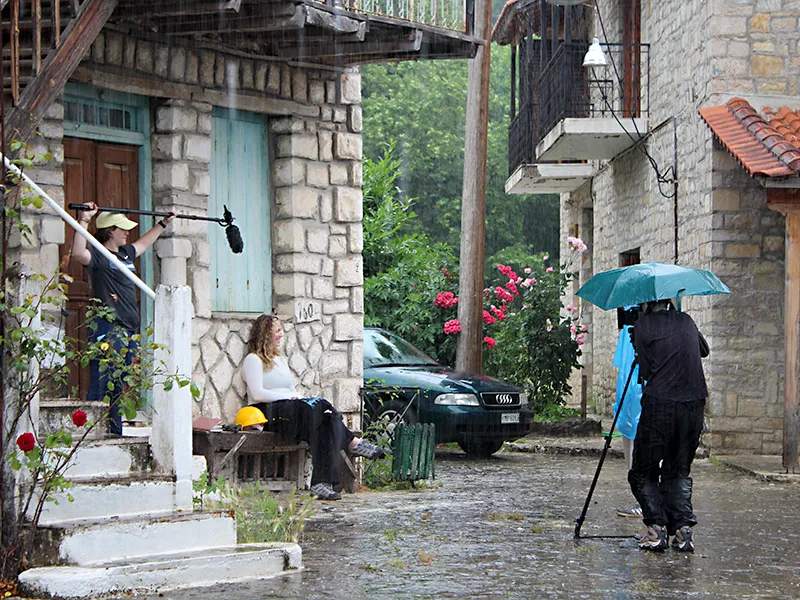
x=579, y=521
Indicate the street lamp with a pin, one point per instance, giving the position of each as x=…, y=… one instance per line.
x=595, y=57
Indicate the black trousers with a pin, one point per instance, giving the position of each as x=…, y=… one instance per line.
x=663, y=451
x=316, y=422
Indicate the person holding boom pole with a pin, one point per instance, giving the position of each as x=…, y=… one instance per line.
x=114, y=291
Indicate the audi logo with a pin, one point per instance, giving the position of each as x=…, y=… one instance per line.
x=505, y=399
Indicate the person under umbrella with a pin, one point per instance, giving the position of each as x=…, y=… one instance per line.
x=669, y=348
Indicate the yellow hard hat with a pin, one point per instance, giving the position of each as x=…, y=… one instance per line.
x=250, y=415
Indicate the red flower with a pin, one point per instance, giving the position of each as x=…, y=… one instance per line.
x=490, y=342
x=452, y=327
x=26, y=442
x=79, y=418
x=445, y=300
x=503, y=294
x=488, y=318
x=512, y=287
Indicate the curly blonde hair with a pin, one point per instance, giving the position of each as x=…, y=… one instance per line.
x=262, y=342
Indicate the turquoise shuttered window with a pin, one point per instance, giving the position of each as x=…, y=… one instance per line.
x=239, y=180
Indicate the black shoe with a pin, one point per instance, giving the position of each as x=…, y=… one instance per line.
x=683, y=540
x=655, y=539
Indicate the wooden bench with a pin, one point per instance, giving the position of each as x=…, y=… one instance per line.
x=249, y=456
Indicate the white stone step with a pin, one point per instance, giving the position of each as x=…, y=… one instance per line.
x=93, y=542
x=190, y=569
x=56, y=414
x=106, y=497
x=110, y=457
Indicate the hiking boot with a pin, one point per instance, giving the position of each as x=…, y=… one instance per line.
x=655, y=539
x=632, y=512
x=367, y=450
x=324, y=491
x=683, y=540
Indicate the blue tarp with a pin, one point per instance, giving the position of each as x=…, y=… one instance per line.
x=628, y=420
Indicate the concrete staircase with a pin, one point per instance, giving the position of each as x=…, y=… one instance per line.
x=125, y=531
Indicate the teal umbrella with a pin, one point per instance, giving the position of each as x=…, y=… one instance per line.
x=647, y=282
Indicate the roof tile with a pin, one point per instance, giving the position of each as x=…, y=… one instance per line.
x=766, y=145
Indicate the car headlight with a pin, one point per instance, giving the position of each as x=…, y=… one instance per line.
x=457, y=399
x=523, y=400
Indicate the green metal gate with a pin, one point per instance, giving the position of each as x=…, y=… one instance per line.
x=413, y=452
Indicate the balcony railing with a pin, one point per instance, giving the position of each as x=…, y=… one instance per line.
x=566, y=89
x=445, y=14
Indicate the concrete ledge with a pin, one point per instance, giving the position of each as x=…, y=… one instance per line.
x=763, y=467
x=224, y=565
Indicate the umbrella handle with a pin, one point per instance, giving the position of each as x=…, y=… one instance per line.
x=678, y=299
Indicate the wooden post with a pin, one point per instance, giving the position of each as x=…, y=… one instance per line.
x=788, y=203
x=473, y=201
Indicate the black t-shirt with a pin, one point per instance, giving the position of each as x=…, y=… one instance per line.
x=112, y=288
x=669, y=348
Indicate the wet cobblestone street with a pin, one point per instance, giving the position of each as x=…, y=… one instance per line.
x=503, y=528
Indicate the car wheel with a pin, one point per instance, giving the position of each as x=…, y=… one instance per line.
x=393, y=412
x=480, y=448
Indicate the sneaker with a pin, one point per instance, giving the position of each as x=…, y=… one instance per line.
x=683, y=540
x=655, y=539
x=324, y=491
x=632, y=512
x=367, y=450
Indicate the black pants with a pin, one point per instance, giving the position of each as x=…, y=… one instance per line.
x=316, y=422
x=663, y=451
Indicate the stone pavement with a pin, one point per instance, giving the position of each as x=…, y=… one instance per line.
x=503, y=528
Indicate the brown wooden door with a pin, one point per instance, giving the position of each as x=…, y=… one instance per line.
x=107, y=174
x=631, y=58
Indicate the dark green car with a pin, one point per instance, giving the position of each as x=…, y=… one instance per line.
x=403, y=383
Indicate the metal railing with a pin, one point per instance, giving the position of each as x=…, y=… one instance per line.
x=566, y=89
x=446, y=14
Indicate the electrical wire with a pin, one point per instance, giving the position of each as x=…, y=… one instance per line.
x=661, y=178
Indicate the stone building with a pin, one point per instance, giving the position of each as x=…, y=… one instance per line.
x=253, y=106
x=642, y=177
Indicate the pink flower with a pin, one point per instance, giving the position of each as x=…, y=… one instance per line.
x=583, y=327
x=529, y=282
x=548, y=270
x=490, y=342
x=570, y=308
x=504, y=269
x=452, y=327
x=573, y=329
x=512, y=287
x=580, y=339
x=445, y=300
x=512, y=275
x=546, y=257
x=576, y=244
x=488, y=318
x=499, y=313
x=503, y=294
x=527, y=270
x=444, y=269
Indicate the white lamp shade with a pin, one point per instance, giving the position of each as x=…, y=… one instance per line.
x=595, y=57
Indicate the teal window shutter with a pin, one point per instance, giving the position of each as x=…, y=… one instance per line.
x=239, y=180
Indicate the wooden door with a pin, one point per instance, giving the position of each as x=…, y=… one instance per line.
x=631, y=58
x=107, y=174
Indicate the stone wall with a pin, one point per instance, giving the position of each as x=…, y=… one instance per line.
x=314, y=132
x=702, y=53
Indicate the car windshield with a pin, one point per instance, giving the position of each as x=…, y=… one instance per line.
x=384, y=349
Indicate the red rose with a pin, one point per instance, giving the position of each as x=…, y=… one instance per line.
x=26, y=442
x=79, y=418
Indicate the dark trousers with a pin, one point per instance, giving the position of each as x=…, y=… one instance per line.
x=118, y=337
x=316, y=422
x=663, y=451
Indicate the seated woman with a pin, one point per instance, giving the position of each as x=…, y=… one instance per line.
x=270, y=388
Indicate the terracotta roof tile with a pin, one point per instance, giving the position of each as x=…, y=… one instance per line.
x=766, y=145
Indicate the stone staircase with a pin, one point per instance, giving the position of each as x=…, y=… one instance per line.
x=128, y=532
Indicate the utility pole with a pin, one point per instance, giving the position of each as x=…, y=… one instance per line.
x=473, y=199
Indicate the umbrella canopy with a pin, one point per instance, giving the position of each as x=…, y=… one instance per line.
x=648, y=282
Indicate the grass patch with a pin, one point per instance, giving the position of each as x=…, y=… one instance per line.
x=504, y=516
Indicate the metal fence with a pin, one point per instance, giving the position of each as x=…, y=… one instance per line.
x=565, y=89
x=446, y=14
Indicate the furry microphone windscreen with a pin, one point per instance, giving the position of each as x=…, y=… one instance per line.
x=234, y=239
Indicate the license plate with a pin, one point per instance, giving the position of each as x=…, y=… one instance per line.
x=509, y=418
